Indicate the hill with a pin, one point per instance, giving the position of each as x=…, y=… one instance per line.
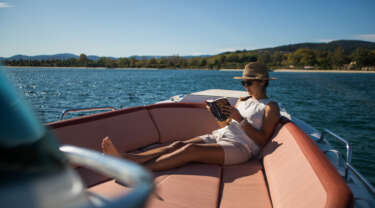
x=66, y=56
x=62, y=56
x=348, y=45
x=341, y=54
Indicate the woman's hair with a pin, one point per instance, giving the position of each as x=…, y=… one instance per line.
x=266, y=84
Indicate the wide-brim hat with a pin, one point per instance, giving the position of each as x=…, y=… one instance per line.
x=255, y=71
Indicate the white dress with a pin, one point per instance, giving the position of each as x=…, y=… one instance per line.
x=237, y=145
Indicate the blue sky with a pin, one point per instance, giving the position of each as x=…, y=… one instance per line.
x=122, y=28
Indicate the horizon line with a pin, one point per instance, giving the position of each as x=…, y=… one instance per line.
x=192, y=54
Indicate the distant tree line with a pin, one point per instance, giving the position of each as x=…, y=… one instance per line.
x=360, y=58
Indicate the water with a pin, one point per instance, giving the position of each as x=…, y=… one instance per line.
x=341, y=102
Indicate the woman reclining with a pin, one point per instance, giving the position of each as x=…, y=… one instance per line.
x=249, y=127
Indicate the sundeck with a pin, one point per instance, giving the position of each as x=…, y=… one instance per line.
x=297, y=168
x=291, y=171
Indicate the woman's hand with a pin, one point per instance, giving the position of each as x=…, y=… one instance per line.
x=207, y=107
x=220, y=123
x=232, y=112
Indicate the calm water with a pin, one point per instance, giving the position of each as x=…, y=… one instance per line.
x=343, y=103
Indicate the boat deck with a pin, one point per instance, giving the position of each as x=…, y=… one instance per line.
x=291, y=171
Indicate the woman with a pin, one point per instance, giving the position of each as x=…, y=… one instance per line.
x=249, y=127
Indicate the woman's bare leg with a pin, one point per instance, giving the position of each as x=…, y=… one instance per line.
x=109, y=148
x=205, y=153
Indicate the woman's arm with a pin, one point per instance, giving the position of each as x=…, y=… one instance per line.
x=229, y=111
x=232, y=112
x=270, y=120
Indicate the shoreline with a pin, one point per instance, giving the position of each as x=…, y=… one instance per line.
x=321, y=71
x=309, y=71
x=274, y=70
x=54, y=67
x=76, y=67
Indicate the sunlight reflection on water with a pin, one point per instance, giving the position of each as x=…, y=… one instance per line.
x=340, y=102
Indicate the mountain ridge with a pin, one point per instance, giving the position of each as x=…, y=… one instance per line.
x=348, y=45
x=66, y=56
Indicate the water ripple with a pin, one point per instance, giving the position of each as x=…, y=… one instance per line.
x=341, y=102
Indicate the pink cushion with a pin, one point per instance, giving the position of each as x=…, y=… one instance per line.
x=181, y=121
x=244, y=186
x=110, y=189
x=299, y=174
x=129, y=129
x=194, y=185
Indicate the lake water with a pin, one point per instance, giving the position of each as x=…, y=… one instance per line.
x=341, y=102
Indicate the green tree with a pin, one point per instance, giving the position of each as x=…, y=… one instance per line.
x=194, y=62
x=323, y=59
x=222, y=58
x=302, y=57
x=83, y=59
x=152, y=62
x=264, y=58
x=277, y=58
x=233, y=57
x=308, y=57
x=203, y=62
x=363, y=57
x=132, y=62
x=123, y=62
x=338, y=58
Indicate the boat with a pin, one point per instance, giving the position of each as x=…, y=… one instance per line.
x=257, y=179
x=297, y=168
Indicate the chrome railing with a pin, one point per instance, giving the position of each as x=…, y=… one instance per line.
x=362, y=178
x=63, y=114
x=348, y=149
x=124, y=171
x=348, y=165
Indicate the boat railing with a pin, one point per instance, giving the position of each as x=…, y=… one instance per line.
x=362, y=178
x=348, y=165
x=348, y=149
x=76, y=110
x=125, y=172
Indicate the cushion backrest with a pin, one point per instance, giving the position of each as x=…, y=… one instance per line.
x=129, y=129
x=299, y=174
x=181, y=121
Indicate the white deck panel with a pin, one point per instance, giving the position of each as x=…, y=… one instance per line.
x=222, y=93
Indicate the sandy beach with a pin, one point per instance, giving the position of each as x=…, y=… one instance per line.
x=311, y=71
x=320, y=71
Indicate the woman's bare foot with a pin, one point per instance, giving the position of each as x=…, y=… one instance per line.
x=109, y=148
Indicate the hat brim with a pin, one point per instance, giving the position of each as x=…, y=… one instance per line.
x=254, y=78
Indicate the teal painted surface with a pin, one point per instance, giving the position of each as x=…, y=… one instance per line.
x=18, y=123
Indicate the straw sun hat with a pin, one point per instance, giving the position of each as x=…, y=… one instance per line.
x=255, y=70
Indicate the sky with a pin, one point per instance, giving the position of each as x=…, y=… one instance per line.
x=122, y=28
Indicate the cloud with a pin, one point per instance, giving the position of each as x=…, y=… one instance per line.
x=215, y=51
x=367, y=37
x=222, y=50
x=325, y=40
x=5, y=5
x=226, y=50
